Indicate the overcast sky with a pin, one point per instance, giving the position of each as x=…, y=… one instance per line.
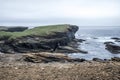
x=44, y=12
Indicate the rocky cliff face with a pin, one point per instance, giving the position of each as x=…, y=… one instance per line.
x=36, y=43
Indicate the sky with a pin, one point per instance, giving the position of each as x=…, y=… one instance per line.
x=45, y=12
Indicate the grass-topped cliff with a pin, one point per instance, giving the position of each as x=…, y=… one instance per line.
x=37, y=31
x=41, y=38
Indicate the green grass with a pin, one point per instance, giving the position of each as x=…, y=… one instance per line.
x=38, y=31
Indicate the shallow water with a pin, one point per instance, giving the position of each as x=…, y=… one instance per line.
x=94, y=43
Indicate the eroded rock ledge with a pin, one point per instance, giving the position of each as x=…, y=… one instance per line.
x=39, y=39
x=47, y=57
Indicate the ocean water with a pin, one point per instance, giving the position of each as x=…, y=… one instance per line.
x=94, y=43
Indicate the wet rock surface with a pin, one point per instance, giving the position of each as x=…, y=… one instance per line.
x=116, y=39
x=112, y=47
x=98, y=60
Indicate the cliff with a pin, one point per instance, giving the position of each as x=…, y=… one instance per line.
x=38, y=39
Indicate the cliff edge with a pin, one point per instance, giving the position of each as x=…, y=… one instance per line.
x=38, y=39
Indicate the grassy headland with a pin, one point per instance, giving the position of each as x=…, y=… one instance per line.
x=38, y=31
x=36, y=39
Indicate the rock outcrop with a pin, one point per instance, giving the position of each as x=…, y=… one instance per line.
x=98, y=60
x=13, y=29
x=112, y=47
x=42, y=57
x=39, y=43
x=117, y=59
x=49, y=57
x=116, y=39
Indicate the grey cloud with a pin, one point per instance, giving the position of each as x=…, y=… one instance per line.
x=39, y=12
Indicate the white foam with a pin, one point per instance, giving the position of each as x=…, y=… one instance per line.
x=95, y=48
x=105, y=39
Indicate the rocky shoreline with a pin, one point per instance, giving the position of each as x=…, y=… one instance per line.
x=59, y=40
x=46, y=57
x=36, y=42
x=29, y=55
x=56, y=66
x=33, y=42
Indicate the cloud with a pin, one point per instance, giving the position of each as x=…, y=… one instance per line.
x=37, y=12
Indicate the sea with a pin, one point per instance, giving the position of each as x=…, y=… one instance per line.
x=94, y=43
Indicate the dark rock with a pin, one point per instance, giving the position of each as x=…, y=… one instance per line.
x=106, y=59
x=115, y=59
x=78, y=60
x=47, y=57
x=17, y=29
x=116, y=39
x=79, y=40
x=108, y=42
x=112, y=47
x=98, y=60
x=13, y=29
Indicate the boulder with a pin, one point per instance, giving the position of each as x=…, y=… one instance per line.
x=98, y=60
x=112, y=47
x=79, y=40
x=116, y=39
